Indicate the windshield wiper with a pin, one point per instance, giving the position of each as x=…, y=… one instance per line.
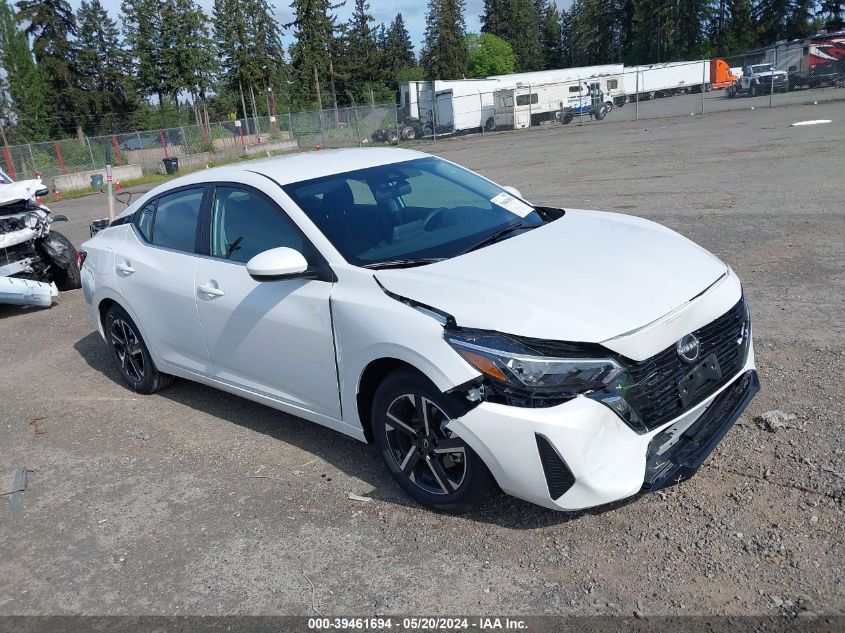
x=495, y=236
x=403, y=263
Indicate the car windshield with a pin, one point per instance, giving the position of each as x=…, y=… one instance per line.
x=762, y=68
x=407, y=213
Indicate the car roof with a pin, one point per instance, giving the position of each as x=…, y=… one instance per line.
x=291, y=167
x=308, y=165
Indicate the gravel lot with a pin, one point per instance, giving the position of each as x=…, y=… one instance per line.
x=196, y=502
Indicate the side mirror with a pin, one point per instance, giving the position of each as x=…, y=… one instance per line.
x=278, y=263
x=513, y=191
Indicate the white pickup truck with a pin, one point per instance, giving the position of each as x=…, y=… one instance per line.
x=759, y=79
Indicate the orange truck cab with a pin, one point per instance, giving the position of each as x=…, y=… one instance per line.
x=720, y=74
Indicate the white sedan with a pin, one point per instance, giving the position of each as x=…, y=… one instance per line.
x=572, y=357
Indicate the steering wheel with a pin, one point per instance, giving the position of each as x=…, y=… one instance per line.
x=432, y=220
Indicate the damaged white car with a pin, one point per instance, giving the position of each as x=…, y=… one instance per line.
x=572, y=357
x=35, y=261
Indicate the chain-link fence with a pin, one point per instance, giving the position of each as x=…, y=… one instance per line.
x=198, y=145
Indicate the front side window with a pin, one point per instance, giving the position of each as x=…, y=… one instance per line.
x=175, y=220
x=244, y=224
x=419, y=209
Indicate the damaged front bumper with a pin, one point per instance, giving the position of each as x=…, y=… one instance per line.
x=31, y=257
x=580, y=454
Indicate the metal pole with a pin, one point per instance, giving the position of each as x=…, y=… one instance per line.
x=433, y=113
x=185, y=141
x=530, y=115
x=637, y=93
x=31, y=157
x=110, y=193
x=580, y=104
x=357, y=128
x=481, y=110
x=90, y=153
x=772, y=78
x=704, y=65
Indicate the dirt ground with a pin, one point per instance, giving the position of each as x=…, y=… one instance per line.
x=197, y=502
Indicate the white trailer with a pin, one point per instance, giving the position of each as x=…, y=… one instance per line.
x=455, y=106
x=663, y=80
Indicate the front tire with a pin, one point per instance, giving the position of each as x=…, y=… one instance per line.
x=69, y=278
x=130, y=353
x=432, y=464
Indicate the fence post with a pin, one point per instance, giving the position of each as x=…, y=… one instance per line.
x=32, y=157
x=59, y=157
x=580, y=104
x=396, y=120
x=116, y=150
x=357, y=127
x=704, y=65
x=772, y=78
x=163, y=143
x=433, y=113
x=185, y=141
x=637, y=90
x=530, y=115
x=111, y=193
x=90, y=153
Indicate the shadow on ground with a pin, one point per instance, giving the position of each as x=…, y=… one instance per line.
x=357, y=460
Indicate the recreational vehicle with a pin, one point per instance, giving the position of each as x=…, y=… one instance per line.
x=526, y=106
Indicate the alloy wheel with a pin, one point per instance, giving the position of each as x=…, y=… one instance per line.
x=127, y=346
x=428, y=453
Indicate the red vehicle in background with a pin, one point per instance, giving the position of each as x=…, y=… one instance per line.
x=813, y=61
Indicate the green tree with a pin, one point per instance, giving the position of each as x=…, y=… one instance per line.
x=145, y=30
x=834, y=12
x=397, y=50
x=595, y=31
x=312, y=52
x=799, y=21
x=741, y=27
x=362, y=56
x=772, y=17
x=102, y=64
x=489, y=55
x=444, y=54
x=517, y=22
x=51, y=25
x=551, y=37
x=24, y=105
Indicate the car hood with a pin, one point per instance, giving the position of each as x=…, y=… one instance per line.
x=587, y=277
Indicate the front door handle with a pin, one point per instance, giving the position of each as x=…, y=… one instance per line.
x=125, y=268
x=211, y=291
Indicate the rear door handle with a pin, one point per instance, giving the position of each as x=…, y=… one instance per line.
x=211, y=291
x=125, y=268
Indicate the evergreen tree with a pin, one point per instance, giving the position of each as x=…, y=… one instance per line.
x=145, y=29
x=444, y=54
x=102, y=64
x=52, y=25
x=688, y=35
x=834, y=12
x=362, y=57
x=190, y=57
x=397, y=49
x=740, y=28
x=566, y=40
x=799, y=21
x=312, y=52
x=551, y=37
x=772, y=18
x=23, y=86
x=595, y=32
x=517, y=22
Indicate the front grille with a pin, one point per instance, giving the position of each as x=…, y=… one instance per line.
x=653, y=388
x=559, y=478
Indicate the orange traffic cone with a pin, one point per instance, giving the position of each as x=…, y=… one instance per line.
x=119, y=186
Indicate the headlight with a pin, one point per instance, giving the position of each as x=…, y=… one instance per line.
x=522, y=378
x=504, y=359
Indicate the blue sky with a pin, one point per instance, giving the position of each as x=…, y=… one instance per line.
x=382, y=10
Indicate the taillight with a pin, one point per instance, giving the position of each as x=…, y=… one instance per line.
x=80, y=258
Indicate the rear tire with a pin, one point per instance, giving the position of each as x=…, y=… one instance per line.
x=130, y=353
x=434, y=466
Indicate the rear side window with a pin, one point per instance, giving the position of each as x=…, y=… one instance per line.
x=524, y=100
x=612, y=84
x=144, y=220
x=176, y=218
x=244, y=224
